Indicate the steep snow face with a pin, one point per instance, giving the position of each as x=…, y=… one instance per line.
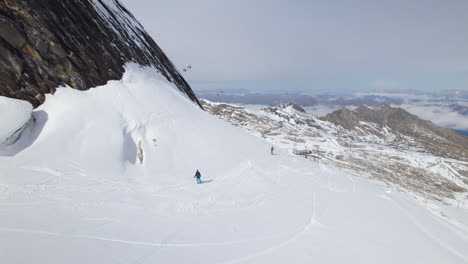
x=109, y=179
x=14, y=114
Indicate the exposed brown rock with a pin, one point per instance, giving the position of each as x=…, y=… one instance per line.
x=438, y=140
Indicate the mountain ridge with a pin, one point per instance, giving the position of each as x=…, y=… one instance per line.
x=82, y=44
x=449, y=143
x=429, y=166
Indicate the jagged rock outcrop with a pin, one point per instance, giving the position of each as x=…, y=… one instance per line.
x=81, y=43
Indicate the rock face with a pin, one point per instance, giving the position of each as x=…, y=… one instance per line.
x=81, y=43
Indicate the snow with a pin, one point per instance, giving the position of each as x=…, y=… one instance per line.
x=78, y=193
x=371, y=151
x=14, y=114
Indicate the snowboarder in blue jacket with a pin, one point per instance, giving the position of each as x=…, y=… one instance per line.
x=198, y=176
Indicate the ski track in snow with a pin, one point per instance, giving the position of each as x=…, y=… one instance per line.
x=292, y=239
x=140, y=243
x=166, y=241
x=225, y=185
x=430, y=235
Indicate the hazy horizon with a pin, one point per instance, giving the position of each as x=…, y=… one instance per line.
x=313, y=45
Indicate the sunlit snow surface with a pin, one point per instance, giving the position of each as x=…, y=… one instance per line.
x=79, y=194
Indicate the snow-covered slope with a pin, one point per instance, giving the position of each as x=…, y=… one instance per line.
x=418, y=163
x=109, y=179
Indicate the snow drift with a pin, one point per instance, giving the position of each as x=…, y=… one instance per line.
x=14, y=115
x=109, y=179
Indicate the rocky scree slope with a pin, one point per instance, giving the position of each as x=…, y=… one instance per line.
x=80, y=43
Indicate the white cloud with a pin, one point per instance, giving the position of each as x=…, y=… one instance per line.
x=440, y=115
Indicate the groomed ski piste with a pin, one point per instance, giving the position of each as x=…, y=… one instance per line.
x=106, y=176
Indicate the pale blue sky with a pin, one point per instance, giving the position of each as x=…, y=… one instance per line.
x=321, y=45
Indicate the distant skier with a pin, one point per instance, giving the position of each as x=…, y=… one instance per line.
x=272, y=149
x=198, y=176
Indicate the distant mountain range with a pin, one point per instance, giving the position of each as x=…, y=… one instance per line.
x=299, y=99
x=407, y=128
x=384, y=143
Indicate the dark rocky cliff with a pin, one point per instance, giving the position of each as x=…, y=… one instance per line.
x=81, y=43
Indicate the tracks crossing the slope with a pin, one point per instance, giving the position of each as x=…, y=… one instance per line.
x=249, y=165
x=173, y=235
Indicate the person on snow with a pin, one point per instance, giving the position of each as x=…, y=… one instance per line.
x=272, y=149
x=198, y=176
